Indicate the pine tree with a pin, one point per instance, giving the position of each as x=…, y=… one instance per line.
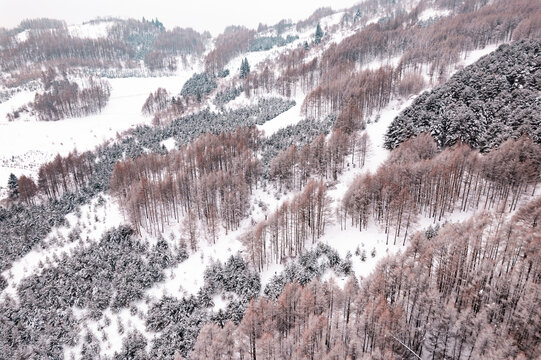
x=13, y=187
x=244, y=68
x=319, y=34
x=357, y=16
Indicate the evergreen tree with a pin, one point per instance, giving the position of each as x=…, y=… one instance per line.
x=244, y=68
x=357, y=16
x=13, y=187
x=319, y=34
x=306, y=46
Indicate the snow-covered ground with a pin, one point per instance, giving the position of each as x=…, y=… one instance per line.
x=431, y=13
x=92, y=220
x=90, y=30
x=25, y=145
x=290, y=117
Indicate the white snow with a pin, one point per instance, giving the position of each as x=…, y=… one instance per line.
x=472, y=56
x=22, y=36
x=90, y=30
x=289, y=117
x=187, y=277
x=93, y=221
x=22, y=139
x=169, y=143
x=432, y=13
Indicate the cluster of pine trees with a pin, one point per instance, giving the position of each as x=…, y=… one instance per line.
x=482, y=105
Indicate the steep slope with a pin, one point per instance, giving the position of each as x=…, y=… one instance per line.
x=494, y=99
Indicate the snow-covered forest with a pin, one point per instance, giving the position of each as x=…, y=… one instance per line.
x=361, y=183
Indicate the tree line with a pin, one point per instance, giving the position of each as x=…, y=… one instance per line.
x=293, y=227
x=417, y=179
x=210, y=179
x=468, y=290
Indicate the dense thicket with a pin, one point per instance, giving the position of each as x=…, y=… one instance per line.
x=110, y=273
x=417, y=179
x=293, y=227
x=210, y=178
x=483, y=105
x=199, y=85
x=469, y=291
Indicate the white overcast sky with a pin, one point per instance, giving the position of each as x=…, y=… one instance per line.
x=201, y=15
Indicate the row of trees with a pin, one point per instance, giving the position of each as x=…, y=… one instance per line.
x=64, y=99
x=469, y=291
x=157, y=101
x=65, y=174
x=418, y=180
x=50, y=43
x=233, y=41
x=55, y=47
x=294, y=166
x=293, y=227
x=210, y=179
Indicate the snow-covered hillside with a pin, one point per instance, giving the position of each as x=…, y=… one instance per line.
x=194, y=218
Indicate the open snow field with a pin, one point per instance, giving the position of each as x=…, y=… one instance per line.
x=26, y=144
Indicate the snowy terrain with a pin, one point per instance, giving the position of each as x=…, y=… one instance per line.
x=26, y=144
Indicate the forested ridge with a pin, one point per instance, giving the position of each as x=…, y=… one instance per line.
x=369, y=220
x=483, y=105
